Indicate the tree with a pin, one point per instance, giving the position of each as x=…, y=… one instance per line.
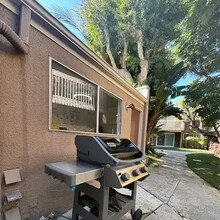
x=127, y=33
x=134, y=37
x=162, y=82
x=199, y=42
x=204, y=97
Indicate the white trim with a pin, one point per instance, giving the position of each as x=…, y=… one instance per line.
x=97, y=110
x=140, y=127
x=50, y=93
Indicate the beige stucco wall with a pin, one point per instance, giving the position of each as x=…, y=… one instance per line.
x=25, y=140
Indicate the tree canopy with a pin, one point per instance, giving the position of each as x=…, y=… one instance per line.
x=199, y=42
x=204, y=97
x=137, y=37
x=128, y=34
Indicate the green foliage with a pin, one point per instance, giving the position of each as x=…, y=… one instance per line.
x=199, y=43
x=123, y=19
x=157, y=19
x=163, y=78
x=161, y=89
x=204, y=97
x=151, y=24
x=197, y=138
x=206, y=166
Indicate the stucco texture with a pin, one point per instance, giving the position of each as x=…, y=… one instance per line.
x=25, y=140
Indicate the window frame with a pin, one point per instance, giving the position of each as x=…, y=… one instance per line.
x=51, y=60
x=165, y=133
x=115, y=96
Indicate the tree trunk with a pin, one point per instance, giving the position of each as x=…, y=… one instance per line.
x=144, y=63
x=124, y=55
x=151, y=125
x=108, y=48
x=144, y=71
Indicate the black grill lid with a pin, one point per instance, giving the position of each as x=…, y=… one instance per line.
x=113, y=151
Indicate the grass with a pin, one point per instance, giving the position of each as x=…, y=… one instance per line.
x=183, y=149
x=207, y=166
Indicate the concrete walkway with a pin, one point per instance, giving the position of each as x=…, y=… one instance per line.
x=174, y=192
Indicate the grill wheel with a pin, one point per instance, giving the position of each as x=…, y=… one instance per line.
x=137, y=215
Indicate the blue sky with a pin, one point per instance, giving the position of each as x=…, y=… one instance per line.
x=65, y=3
x=48, y=4
x=73, y=3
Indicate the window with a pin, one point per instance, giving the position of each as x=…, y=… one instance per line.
x=74, y=104
x=161, y=139
x=166, y=139
x=109, y=113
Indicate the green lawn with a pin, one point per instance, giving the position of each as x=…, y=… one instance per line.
x=183, y=149
x=206, y=166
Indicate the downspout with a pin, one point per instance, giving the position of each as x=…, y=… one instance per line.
x=12, y=37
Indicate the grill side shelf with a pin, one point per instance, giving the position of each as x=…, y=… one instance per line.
x=73, y=172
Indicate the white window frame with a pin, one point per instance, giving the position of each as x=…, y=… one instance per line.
x=51, y=60
x=165, y=140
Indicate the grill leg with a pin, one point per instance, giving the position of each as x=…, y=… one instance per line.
x=75, y=216
x=103, y=200
x=133, y=195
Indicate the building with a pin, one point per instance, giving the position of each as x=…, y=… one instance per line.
x=52, y=88
x=172, y=133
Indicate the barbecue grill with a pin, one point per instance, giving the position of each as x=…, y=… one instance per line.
x=111, y=163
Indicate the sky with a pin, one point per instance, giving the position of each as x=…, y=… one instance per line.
x=182, y=82
x=48, y=4
x=65, y=3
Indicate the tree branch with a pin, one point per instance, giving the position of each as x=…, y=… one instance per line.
x=197, y=127
x=216, y=130
x=124, y=55
x=139, y=37
x=108, y=48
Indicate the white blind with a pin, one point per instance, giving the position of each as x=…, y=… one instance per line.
x=72, y=91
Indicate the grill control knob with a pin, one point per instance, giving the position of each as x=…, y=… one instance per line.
x=143, y=169
x=136, y=172
x=125, y=177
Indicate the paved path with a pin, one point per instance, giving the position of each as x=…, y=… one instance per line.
x=174, y=192
x=177, y=192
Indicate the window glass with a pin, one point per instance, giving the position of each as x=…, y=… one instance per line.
x=169, y=139
x=109, y=113
x=160, y=140
x=74, y=104
x=73, y=101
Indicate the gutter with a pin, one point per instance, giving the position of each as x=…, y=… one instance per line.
x=20, y=42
